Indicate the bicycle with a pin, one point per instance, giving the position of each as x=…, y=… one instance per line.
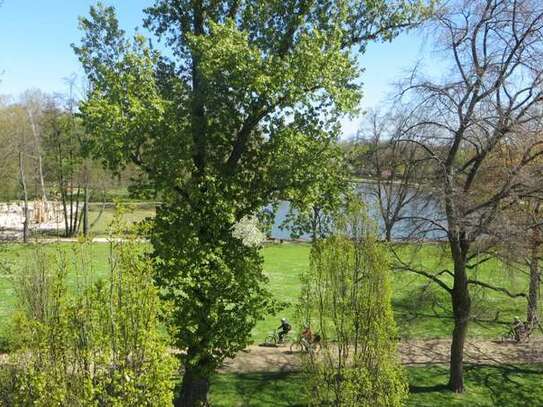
x=273, y=339
x=303, y=345
x=518, y=333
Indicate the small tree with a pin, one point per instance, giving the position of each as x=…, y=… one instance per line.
x=33, y=102
x=347, y=296
x=68, y=169
x=101, y=345
x=535, y=241
x=522, y=242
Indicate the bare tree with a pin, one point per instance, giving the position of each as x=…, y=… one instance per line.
x=469, y=124
x=25, y=198
x=14, y=152
x=8, y=153
x=396, y=172
x=522, y=246
x=534, y=258
x=34, y=102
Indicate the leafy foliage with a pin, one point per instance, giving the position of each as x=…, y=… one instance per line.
x=347, y=296
x=237, y=116
x=101, y=346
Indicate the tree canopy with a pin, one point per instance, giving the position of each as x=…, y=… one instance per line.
x=234, y=114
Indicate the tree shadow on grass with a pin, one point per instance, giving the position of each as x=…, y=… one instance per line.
x=283, y=389
x=428, y=389
x=510, y=385
x=486, y=385
x=277, y=389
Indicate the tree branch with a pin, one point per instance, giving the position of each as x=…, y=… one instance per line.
x=499, y=289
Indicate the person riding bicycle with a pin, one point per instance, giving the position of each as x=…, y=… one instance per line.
x=518, y=328
x=307, y=335
x=310, y=339
x=284, y=329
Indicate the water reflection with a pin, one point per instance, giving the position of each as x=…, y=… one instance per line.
x=422, y=218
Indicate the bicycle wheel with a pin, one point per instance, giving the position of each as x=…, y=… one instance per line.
x=271, y=340
x=523, y=335
x=508, y=337
x=296, y=347
x=316, y=347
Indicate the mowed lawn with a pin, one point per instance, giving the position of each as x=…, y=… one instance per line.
x=486, y=386
x=422, y=309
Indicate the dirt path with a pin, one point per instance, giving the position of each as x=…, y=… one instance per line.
x=277, y=359
x=264, y=359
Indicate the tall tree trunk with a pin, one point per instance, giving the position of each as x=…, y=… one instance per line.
x=535, y=279
x=314, y=225
x=77, y=218
x=195, y=387
x=25, y=197
x=86, y=212
x=38, y=154
x=65, y=210
x=461, y=303
x=71, y=220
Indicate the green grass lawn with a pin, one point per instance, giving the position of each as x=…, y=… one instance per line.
x=486, y=386
x=421, y=309
x=100, y=224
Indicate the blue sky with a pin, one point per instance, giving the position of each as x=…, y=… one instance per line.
x=35, y=52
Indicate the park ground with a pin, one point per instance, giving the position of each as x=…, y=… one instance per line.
x=422, y=313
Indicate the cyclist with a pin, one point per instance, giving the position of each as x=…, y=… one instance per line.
x=518, y=328
x=307, y=335
x=284, y=329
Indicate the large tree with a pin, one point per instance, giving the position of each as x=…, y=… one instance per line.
x=487, y=110
x=396, y=171
x=233, y=115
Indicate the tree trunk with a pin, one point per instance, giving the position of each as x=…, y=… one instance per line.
x=461, y=303
x=38, y=154
x=86, y=213
x=388, y=232
x=25, y=197
x=194, y=389
x=65, y=210
x=314, y=226
x=535, y=279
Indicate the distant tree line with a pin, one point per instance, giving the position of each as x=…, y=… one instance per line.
x=42, y=158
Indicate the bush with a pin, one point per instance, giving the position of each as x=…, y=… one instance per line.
x=346, y=296
x=98, y=344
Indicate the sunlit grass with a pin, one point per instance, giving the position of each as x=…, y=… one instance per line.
x=422, y=309
x=486, y=386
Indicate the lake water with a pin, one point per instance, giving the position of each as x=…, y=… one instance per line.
x=423, y=218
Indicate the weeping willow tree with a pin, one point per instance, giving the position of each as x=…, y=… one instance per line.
x=347, y=299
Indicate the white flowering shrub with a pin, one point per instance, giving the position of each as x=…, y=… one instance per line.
x=248, y=232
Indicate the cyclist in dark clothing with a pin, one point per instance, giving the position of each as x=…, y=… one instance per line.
x=284, y=329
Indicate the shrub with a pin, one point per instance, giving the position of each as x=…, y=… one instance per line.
x=97, y=344
x=346, y=296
